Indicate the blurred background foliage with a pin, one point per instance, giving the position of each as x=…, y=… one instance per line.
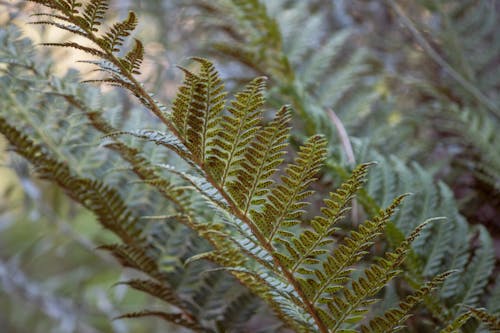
x=413, y=85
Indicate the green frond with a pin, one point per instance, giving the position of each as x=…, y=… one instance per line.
x=116, y=35
x=176, y=318
x=352, y=306
x=103, y=200
x=200, y=184
x=133, y=257
x=158, y=290
x=312, y=243
x=441, y=246
x=183, y=102
x=154, y=248
x=336, y=269
x=133, y=59
x=285, y=201
x=480, y=132
x=249, y=226
x=261, y=160
x=90, y=50
x=67, y=27
x=491, y=321
x=237, y=311
x=454, y=326
x=237, y=129
x=69, y=6
x=393, y=319
x=277, y=294
x=204, y=110
x=164, y=139
x=94, y=12
x=479, y=269
x=143, y=168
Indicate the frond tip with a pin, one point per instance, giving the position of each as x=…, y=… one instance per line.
x=116, y=35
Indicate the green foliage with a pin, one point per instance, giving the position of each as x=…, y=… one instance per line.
x=288, y=31
x=252, y=223
x=307, y=68
x=150, y=248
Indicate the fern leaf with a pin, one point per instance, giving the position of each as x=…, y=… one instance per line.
x=357, y=298
x=335, y=270
x=311, y=242
x=285, y=204
x=176, y=318
x=237, y=312
x=157, y=137
x=94, y=12
x=209, y=99
x=393, y=319
x=115, y=37
x=103, y=200
x=134, y=257
x=237, y=130
x=202, y=186
x=454, y=326
x=67, y=6
x=491, y=321
x=134, y=58
x=183, y=103
x=86, y=49
x=478, y=271
x=68, y=27
x=261, y=160
x=159, y=290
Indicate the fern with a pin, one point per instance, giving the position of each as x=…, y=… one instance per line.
x=469, y=87
x=440, y=247
x=288, y=44
x=153, y=244
x=256, y=233
x=288, y=32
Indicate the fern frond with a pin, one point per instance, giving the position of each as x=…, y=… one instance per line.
x=478, y=272
x=67, y=27
x=183, y=102
x=352, y=307
x=103, y=200
x=335, y=267
x=94, y=12
x=133, y=257
x=220, y=147
x=175, y=318
x=312, y=243
x=491, y=321
x=203, y=110
x=116, y=35
x=69, y=6
x=155, y=289
x=90, y=50
x=240, y=308
x=393, y=319
x=261, y=159
x=159, y=138
x=134, y=58
x=143, y=254
x=454, y=326
x=285, y=201
x=237, y=129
